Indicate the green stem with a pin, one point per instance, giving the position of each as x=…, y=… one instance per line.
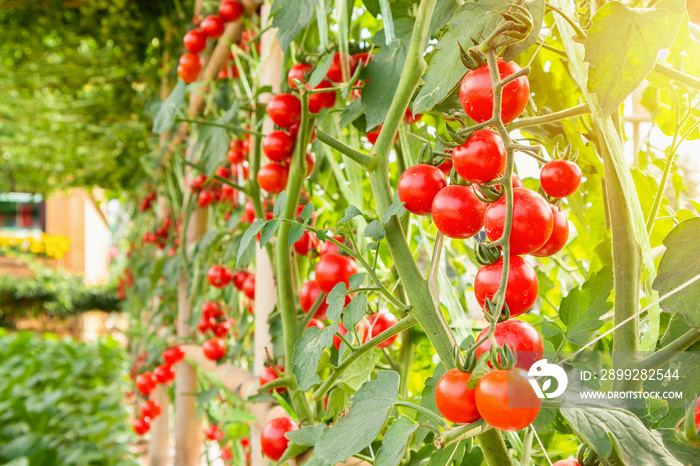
x=459, y=432
x=676, y=75
x=424, y=411
x=668, y=352
x=363, y=160
x=527, y=447
x=581, y=34
x=581, y=109
x=662, y=184
x=235, y=129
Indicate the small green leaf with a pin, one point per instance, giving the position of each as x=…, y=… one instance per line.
x=351, y=113
x=206, y=397
x=280, y=203
x=320, y=71
x=336, y=301
x=355, y=310
x=307, y=212
x=301, y=440
x=582, y=308
x=295, y=233
x=482, y=367
x=214, y=141
x=291, y=16
x=249, y=234
x=374, y=230
x=349, y=213
x=360, y=370
x=269, y=231
x=397, y=209
x=307, y=354
x=166, y=115
x=395, y=441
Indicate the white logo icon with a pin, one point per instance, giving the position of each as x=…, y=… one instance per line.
x=542, y=369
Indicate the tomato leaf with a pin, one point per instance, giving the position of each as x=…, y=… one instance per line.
x=336, y=301
x=214, y=141
x=295, y=233
x=360, y=371
x=320, y=70
x=582, y=308
x=356, y=280
x=166, y=114
x=301, y=440
x=349, y=213
x=269, y=231
x=280, y=203
x=369, y=408
x=471, y=20
x=307, y=354
x=395, y=441
x=307, y=212
x=351, y=113
x=291, y=16
x=249, y=234
x=536, y=9
x=622, y=47
x=678, y=265
x=618, y=433
x=374, y=230
x=397, y=209
x=355, y=311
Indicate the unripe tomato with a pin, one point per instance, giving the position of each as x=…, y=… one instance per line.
x=268, y=374
x=300, y=72
x=454, y=400
x=560, y=178
x=248, y=287
x=332, y=269
x=315, y=323
x=272, y=177
x=239, y=278
x=146, y=383
x=519, y=336
x=173, y=355
x=457, y=212
x=481, y=158
x=230, y=10
x=195, y=40
x=567, y=463
x=362, y=333
x=278, y=146
x=213, y=432
x=272, y=438
x=506, y=400
x=213, y=25
x=218, y=276
x=284, y=110
x=335, y=72
x=521, y=288
x=559, y=236
x=164, y=373
x=211, y=309
x=476, y=93
x=532, y=221
x=141, y=426
x=150, y=409
x=418, y=186
x=378, y=323
x=214, y=349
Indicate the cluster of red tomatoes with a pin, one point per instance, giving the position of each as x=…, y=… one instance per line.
x=147, y=202
x=159, y=237
x=213, y=433
x=146, y=382
x=213, y=190
x=196, y=40
x=126, y=280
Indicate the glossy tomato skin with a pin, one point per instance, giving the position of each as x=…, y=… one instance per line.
x=313, y=322
x=327, y=246
x=268, y=374
x=248, y=287
x=146, y=383
x=278, y=146
x=446, y=166
x=297, y=72
x=239, y=278
x=272, y=177
x=409, y=118
x=476, y=94
x=457, y=212
x=497, y=389
x=218, y=276
x=213, y=433
x=211, y=309
x=560, y=178
x=214, y=349
x=454, y=400
x=164, y=373
x=418, y=186
x=517, y=335
x=308, y=294
x=306, y=243
x=482, y=158
x=272, y=437
x=230, y=10
x=141, y=425
x=213, y=25
x=378, y=323
x=173, y=355
x=222, y=328
x=559, y=236
x=195, y=40
x=332, y=269
x=521, y=289
x=189, y=67
x=321, y=100
x=335, y=72
x=284, y=110
x=532, y=221
x=150, y=409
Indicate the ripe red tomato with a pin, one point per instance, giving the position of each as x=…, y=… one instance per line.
x=214, y=349
x=195, y=40
x=362, y=58
x=164, y=373
x=284, y=110
x=560, y=234
x=560, y=178
x=476, y=94
x=268, y=374
x=378, y=323
x=198, y=182
x=213, y=25
x=335, y=72
x=567, y=463
x=218, y=276
x=150, y=409
x=230, y=10
x=278, y=146
x=272, y=439
x=173, y=355
x=222, y=328
x=205, y=324
x=141, y=425
x=222, y=172
x=308, y=294
x=205, y=198
x=506, y=400
x=300, y=72
x=362, y=333
x=372, y=136
x=532, y=221
x=446, y=166
x=213, y=432
x=146, y=383
x=310, y=163
x=248, y=287
x=272, y=177
x=518, y=335
x=318, y=101
x=454, y=400
x=521, y=289
x=211, y=309
x=333, y=268
x=226, y=454
x=697, y=414
x=481, y=158
x=189, y=67
x=306, y=243
x=249, y=211
x=457, y=212
x=315, y=323
x=410, y=118
x=239, y=278
x=235, y=155
x=327, y=246
x=418, y=186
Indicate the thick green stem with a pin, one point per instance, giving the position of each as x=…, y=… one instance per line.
x=581, y=109
x=362, y=159
x=425, y=411
x=676, y=75
x=668, y=352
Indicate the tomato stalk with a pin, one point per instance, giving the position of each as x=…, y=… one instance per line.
x=461, y=432
x=676, y=75
x=578, y=110
x=424, y=411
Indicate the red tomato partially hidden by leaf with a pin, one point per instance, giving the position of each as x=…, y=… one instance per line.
x=506, y=400
x=239, y=278
x=521, y=288
x=315, y=323
x=410, y=118
x=298, y=72
x=567, y=463
x=560, y=178
x=211, y=309
x=268, y=374
x=306, y=243
x=481, y=158
x=284, y=110
x=519, y=336
x=248, y=288
x=378, y=323
x=150, y=409
x=454, y=400
x=308, y=294
x=332, y=269
x=457, y=212
x=327, y=246
x=418, y=186
x=214, y=349
x=362, y=333
x=335, y=72
x=272, y=438
x=560, y=234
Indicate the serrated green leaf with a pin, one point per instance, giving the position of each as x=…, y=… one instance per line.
x=166, y=114
x=622, y=47
x=307, y=212
x=356, y=280
x=336, y=301
x=269, y=231
x=355, y=310
x=307, y=354
x=395, y=441
x=617, y=433
x=301, y=440
x=295, y=233
x=360, y=370
x=397, y=209
x=291, y=16
x=351, y=113
x=374, y=230
x=280, y=203
x=482, y=367
x=214, y=141
x=582, y=308
x=679, y=264
x=248, y=236
x=349, y=213
x=369, y=408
